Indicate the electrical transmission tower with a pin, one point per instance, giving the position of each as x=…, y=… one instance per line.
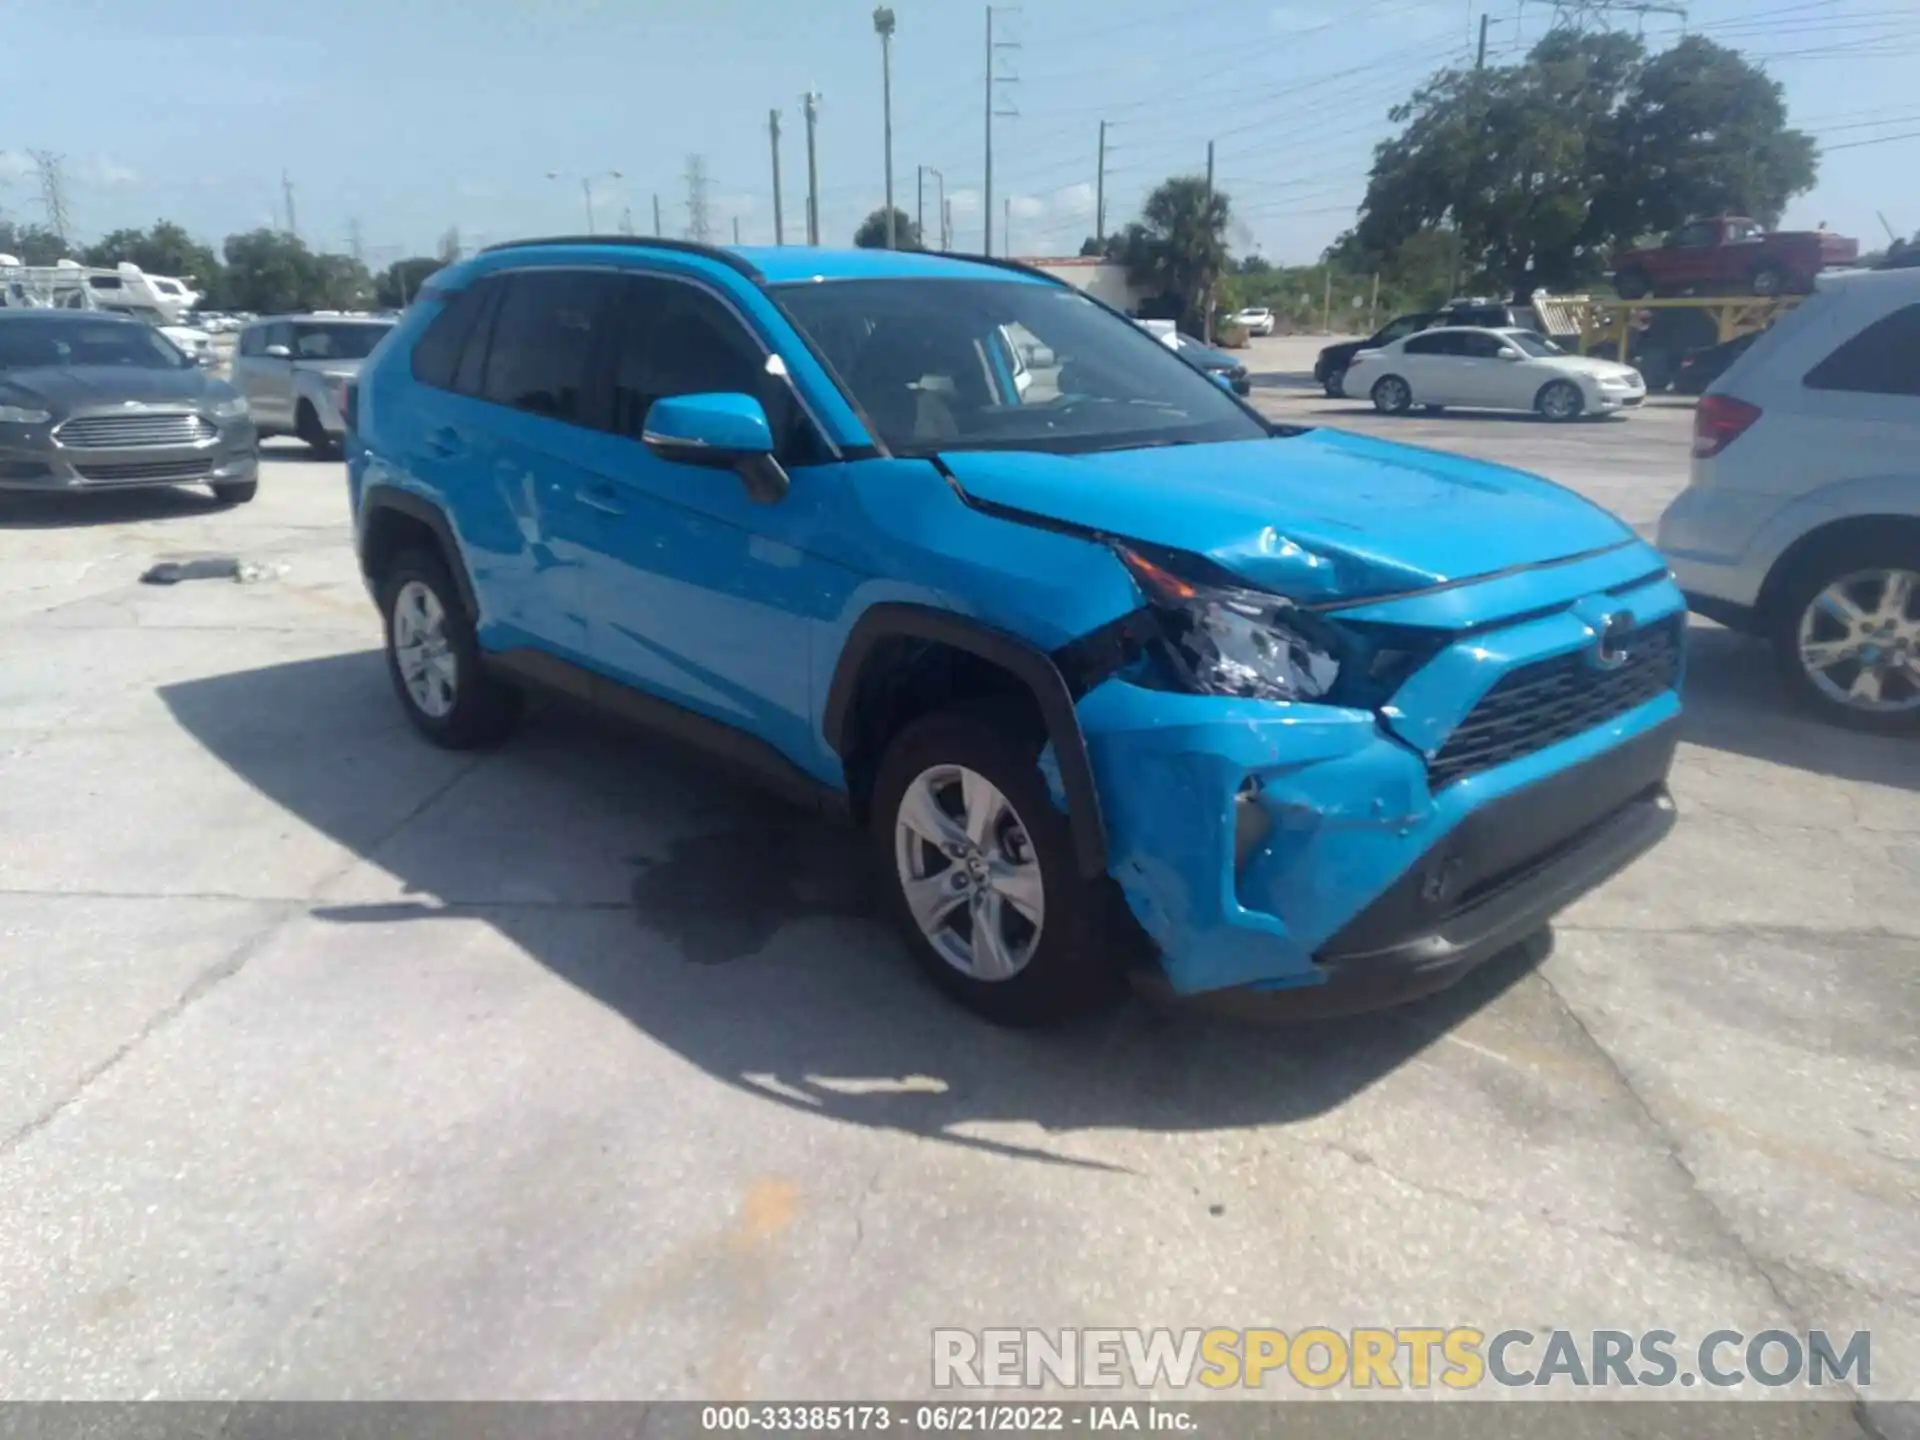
x=1585, y=17
x=53, y=191
x=997, y=106
x=356, y=246
x=699, y=218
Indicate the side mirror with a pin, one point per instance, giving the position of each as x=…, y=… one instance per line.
x=718, y=431
x=277, y=352
x=1511, y=355
x=1222, y=379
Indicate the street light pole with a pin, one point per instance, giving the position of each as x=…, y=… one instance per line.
x=883, y=26
x=940, y=206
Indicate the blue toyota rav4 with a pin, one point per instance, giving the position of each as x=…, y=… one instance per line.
x=1117, y=673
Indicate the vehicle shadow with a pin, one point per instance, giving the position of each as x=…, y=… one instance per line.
x=23, y=510
x=1734, y=701
x=780, y=978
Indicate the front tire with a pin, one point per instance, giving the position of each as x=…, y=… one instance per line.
x=985, y=882
x=1632, y=284
x=1845, y=631
x=308, y=427
x=1336, y=384
x=1392, y=395
x=1560, y=401
x=433, y=657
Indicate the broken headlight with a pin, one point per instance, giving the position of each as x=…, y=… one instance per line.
x=1223, y=639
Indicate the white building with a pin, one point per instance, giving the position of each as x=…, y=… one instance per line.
x=1102, y=279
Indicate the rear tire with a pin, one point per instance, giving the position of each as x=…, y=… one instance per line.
x=236, y=492
x=1769, y=280
x=1795, y=621
x=433, y=657
x=1019, y=864
x=1434, y=409
x=1560, y=401
x=1392, y=395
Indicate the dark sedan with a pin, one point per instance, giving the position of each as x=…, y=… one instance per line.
x=94, y=402
x=1209, y=361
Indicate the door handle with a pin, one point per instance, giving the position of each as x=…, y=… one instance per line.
x=444, y=442
x=600, y=497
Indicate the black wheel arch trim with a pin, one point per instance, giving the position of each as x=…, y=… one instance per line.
x=892, y=620
x=415, y=507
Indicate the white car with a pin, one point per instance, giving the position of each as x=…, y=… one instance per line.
x=1255, y=320
x=1478, y=369
x=1800, y=522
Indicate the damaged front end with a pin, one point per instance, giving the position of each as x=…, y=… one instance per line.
x=1374, y=797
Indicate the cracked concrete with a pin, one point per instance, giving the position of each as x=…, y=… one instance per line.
x=331, y=1065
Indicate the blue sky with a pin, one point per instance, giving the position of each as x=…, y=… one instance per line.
x=410, y=116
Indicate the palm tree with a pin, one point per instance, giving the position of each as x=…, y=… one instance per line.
x=1178, y=247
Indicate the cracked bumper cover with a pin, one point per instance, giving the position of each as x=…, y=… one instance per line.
x=1363, y=884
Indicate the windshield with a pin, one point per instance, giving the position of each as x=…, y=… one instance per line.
x=919, y=358
x=337, y=342
x=1531, y=342
x=35, y=344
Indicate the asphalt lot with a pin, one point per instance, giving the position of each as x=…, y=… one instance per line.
x=332, y=1065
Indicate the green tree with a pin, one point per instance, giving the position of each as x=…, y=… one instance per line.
x=342, y=283
x=1177, y=250
x=32, y=244
x=270, y=273
x=166, y=249
x=872, y=234
x=1542, y=167
x=401, y=281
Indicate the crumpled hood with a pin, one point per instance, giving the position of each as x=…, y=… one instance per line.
x=66, y=388
x=1317, y=516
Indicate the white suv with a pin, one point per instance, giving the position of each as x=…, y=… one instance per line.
x=1255, y=320
x=1801, y=519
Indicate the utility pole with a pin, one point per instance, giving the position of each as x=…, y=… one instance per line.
x=1326, y=306
x=286, y=189
x=946, y=223
x=1373, y=301
x=1100, y=190
x=657, y=230
x=53, y=191
x=736, y=229
x=941, y=215
x=1006, y=230
x=883, y=27
x=626, y=220
x=773, y=134
x=1206, y=320
x=920, y=203
x=994, y=78
x=813, y=169
x=1480, y=59
x=699, y=221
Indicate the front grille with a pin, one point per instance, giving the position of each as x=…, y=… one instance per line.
x=126, y=432
x=134, y=472
x=1553, y=700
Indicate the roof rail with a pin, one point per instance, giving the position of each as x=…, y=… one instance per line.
x=644, y=242
x=1000, y=262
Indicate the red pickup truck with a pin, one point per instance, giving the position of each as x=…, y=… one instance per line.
x=1732, y=254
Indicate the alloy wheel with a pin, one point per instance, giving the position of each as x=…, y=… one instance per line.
x=422, y=649
x=969, y=873
x=1860, y=641
x=1561, y=402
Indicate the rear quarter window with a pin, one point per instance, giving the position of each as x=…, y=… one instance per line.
x=437, y=353
x=1883, y=359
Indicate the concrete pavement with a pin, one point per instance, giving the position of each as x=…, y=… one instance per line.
x=335, y=1066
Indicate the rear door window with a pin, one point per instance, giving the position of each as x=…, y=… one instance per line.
x=1883, y=359
x=1437, y=342
x=438, y=353
x=542, y=345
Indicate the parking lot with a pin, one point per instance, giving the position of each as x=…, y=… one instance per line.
x=336, y=1065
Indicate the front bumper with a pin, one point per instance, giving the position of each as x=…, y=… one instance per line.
x=31, y=459
x=1308, y=847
